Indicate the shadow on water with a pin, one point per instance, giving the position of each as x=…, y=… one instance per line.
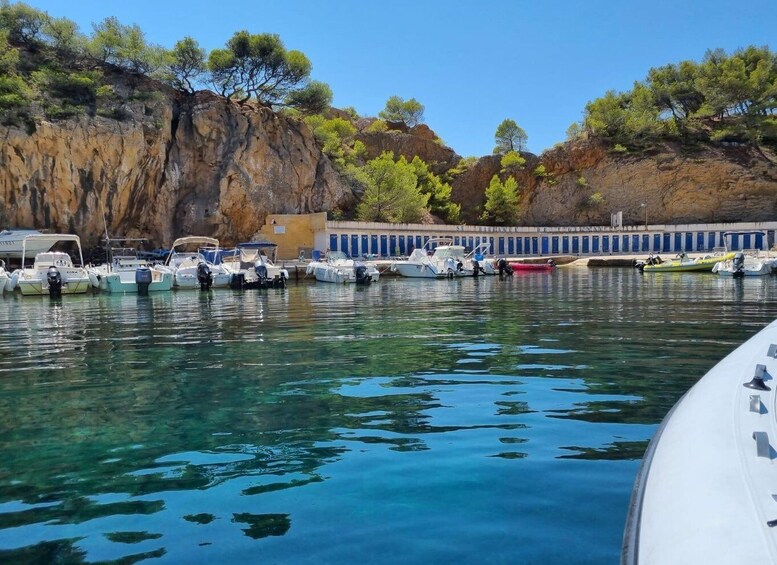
x=230, y=418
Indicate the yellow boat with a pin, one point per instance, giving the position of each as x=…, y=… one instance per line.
x=683, y=263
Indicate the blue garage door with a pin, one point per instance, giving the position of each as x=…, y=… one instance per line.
x=374, y=244
x=646, y=243
x=634, y=243
x=333, y=242
x=585, y=244
x=365, y=244
x=544, y=244
x=565, y=244
x=354, y=246
x=605, y=244
x=575, y=244
x=616, y=241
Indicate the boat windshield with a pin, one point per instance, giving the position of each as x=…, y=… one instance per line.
x=336, y=256
x=455, y=252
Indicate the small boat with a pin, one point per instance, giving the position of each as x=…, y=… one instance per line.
x=684, y=263
x=707, y=488
x=11, y=243
x=745, y=265
x=191, y=268
x=438, y=259
x=533, y=267
x=53, y=272
x=337, y=267
x=250, y=266
x=125, y=272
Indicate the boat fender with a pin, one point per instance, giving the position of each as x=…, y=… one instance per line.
x=143, y=279
x=204, y=276
x=54, y=278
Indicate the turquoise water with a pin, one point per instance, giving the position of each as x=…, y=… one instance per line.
x=410, y=421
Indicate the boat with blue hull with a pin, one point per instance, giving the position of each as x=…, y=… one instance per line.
x=707, y=489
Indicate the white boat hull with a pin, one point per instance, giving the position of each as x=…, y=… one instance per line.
x=188, y=280
x=705, y=490
x=71, y=284
x=417, y=271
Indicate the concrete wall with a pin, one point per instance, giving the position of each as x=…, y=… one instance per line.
x=294, y=233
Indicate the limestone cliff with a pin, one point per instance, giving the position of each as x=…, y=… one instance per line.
x=714, y=183
x=173, y=165
x=410, y=142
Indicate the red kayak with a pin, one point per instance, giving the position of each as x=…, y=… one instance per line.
x=529, y=267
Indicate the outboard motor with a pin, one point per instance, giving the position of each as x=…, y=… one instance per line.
x=504, y=267
x=476, y=268
x=552, y=263
x=54, y=278
x=143, y=280
x=261, y=272
x=204, y=276
x=362, y=276
x=739, y=264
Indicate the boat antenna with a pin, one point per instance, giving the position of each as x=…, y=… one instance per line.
x=107, y=239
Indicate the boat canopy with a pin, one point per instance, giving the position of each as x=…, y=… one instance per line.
x=194, y=239
x=256, y=244
x=53, y=238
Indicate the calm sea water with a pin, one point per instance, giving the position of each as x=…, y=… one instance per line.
x=462, y=421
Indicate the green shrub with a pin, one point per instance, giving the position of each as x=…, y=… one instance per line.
x=378, y=126
x=581, y=181
x=512, y=161
x=539, y=171
x=618, y=148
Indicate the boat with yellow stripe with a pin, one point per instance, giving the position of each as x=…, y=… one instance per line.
x=683, y=263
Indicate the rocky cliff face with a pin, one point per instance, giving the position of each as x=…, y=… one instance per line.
x=201, y=165
x=177, y=165
x=409, y=142
x=676, y=185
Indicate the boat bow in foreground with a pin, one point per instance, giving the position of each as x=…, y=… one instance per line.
x=706, y=492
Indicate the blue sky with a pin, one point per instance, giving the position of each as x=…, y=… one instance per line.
x=472, y=64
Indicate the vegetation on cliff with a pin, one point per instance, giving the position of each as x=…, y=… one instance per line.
x=723, y=98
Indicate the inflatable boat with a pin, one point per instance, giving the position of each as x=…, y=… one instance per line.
x=707, y=489
x=533, y=267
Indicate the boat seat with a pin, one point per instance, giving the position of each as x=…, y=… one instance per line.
x=763, y=449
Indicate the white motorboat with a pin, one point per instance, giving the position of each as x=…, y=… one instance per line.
x=746, y=265
x=191, y=269
x=707, y=489
x=53, y=272
x=11, y=243
x=337, y=267
x=438, y=259
x=250, y=266
x=125, y=272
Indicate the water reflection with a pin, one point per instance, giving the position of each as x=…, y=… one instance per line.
x=192, y=426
